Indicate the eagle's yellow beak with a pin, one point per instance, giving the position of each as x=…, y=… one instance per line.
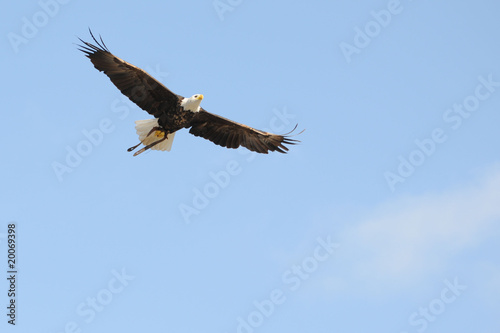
x=200, y=97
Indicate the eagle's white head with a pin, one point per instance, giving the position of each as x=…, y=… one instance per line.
x=192, y=103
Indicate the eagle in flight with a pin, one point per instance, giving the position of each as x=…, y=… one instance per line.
x=173, y=112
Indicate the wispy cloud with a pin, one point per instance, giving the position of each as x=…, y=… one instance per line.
x=408, y=239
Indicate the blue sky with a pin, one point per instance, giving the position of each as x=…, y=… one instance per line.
x=384, y=219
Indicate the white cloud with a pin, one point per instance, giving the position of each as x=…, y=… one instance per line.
x=409, y=239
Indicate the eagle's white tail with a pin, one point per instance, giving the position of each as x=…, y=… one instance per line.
x=144, y=127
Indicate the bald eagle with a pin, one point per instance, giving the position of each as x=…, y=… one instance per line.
x=173, y=112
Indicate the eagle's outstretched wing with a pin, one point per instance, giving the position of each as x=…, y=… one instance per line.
x=230, y=134
x=140, y=87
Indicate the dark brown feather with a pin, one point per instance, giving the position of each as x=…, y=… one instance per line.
x=230, y=134
x=140, y=87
